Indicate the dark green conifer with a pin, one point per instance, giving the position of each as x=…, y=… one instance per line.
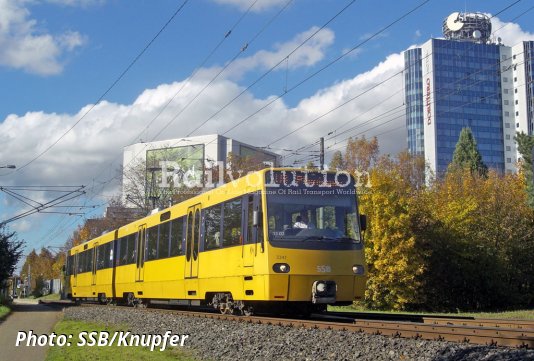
x=467, y=156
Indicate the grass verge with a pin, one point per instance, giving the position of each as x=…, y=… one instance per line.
x=519, y=314
x=4, y=311
x=111, y=353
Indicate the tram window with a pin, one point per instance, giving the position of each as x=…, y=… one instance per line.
x=89, y=261
x=84, y=262
x=152, y=243
x=213, y=227
x=163, y=246
x=250, y=227
x=232, y=223
x=196, y=238
x=101, y=257
x=189, y=236
x=123, y=251
x=70, y=263
x=80, y=262
x=177, y=236
x=131, y=249
x=108, y=260
x=88, y=264
x=259, y=228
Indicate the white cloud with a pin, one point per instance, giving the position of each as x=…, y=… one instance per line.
x=309, y=54
x=260, y=5
x=22, y=225
x=510, y=33
x=98, y=140
x=24, y=47
x=80, y=3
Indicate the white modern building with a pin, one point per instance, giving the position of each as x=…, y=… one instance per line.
x=156, y=162
x=469, y=79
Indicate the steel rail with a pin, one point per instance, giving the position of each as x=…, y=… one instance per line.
x=437, y=319
x=482, y=332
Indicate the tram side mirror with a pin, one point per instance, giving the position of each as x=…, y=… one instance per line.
x=256, y=218
x=363, y=222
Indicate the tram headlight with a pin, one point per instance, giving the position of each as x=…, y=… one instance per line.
x=358, y=269
x=320, y=287
x=281, y=268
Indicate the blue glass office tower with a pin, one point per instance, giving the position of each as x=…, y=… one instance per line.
x=414, y=101
x=468, y=80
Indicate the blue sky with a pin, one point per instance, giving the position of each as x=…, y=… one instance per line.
x=57, y=57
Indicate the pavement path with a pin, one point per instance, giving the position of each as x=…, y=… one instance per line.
x=26, y=316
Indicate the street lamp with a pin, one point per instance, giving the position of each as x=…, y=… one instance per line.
x=9, y=166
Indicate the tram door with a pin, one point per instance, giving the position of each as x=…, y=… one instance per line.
x=252, y=232
x=140, y=252
x=192, y=241
x=94, y=257
x=75, y=259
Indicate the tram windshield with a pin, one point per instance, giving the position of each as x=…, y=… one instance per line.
x=313, y=216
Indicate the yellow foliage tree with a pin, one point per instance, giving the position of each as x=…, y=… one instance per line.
x=482, y=239
x=394, y=255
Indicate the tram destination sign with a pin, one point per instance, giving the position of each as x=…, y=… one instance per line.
x=308, y=179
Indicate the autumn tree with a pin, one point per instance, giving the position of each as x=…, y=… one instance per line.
x=466, y=154
x=394, y=253
x=337, y=162
x=360, y=155
x=480, y=237
x=142, y=186
x=311, y=166
x=525, y=144
x=10, y=253
x=40, y=267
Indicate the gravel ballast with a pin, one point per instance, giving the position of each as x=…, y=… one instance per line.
x=228, y=340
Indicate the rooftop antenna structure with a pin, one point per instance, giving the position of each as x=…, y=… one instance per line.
x=471, y=27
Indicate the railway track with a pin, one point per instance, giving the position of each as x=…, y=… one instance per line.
x=491, y=332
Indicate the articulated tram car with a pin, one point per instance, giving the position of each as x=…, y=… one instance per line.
x=275, y=240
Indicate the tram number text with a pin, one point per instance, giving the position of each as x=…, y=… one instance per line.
x=324, y=269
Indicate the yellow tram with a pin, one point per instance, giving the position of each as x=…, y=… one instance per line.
x=275, y=240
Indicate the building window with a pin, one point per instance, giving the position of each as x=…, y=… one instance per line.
x=515, y=78
x=506, y=102
x=517, y=125
x=516, y=102
x=515, y=90
x=505, y=79
x=516, y=114
x=506, y=114
x=507, y=136
x=513, y=57
x=507, y=125
x=506, y=91
x=508, y=148
x=508, y=160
